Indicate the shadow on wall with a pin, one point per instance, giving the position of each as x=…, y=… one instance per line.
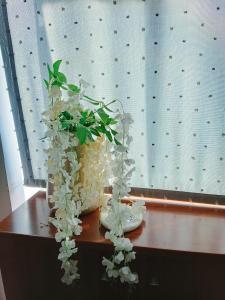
x=5, y=207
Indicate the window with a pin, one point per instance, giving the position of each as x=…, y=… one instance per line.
x=164, y=60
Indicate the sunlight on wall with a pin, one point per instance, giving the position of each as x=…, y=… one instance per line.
x=9, y=144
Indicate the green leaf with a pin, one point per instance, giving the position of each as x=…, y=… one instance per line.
x=57, y=83
x=90, y=135
x=94, y=101
x=103, y=115
x=74, y=88
x=101, y=129
x=91, y=114
x=65, y=115
x=114, y=132
x=94, y=131
x=109, y=136
x=113, y=122
x=50, y=73
x=46, y=83
x=65, y=125
x=105, y=107
x=90, y=100
x=56, y=66
x=84, y=114
x=61, y=77
x=116, y=141
x=108, y=121
x=87, y=118
x=91, y=117
x=81, y=134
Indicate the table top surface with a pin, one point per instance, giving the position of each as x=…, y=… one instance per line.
x=172, y=228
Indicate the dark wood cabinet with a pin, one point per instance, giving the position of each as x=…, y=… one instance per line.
x=180, y=255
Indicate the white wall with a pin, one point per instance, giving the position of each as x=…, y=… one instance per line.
x=9, y=145
x=11, y=177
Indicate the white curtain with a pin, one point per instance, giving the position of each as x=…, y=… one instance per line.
x=164, y=60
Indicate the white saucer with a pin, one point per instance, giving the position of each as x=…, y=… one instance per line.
x=129, y=225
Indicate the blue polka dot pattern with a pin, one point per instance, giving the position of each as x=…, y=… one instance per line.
x=165, y=63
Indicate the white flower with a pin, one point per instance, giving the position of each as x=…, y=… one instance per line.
x=73, y=266
x=54, y=92
x=127, y=276
x=129, y=173
x=107, y=263
x=125, y=271
x=126, y=121
x=123, y=244
x=59, y=236
x=129, y=140
x=67, y=249
x=130, y=256
x=84, y=83
x=71, y=271
x=119, y=258
x=77, y=230
x=110, y=236
x=67, y=279
x=75, y=98
x=113, y=273
x=120, y=148
x=129, y=161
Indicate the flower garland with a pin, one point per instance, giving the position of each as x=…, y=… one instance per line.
x=118, y=213
x=78, y=148
x=74, y=190
x=67, y=211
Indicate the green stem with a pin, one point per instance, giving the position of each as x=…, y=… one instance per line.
x=90, y=100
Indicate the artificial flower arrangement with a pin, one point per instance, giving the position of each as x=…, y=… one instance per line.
x=87, y=147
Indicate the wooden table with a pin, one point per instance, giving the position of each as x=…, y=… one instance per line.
x=180, y=255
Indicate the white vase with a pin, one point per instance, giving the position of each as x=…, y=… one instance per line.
x=93, y=158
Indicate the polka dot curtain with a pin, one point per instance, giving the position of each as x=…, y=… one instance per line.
x=164, y=60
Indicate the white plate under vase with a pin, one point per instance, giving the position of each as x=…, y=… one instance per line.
x=130, y=224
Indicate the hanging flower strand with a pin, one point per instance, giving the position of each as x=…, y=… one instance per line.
x=118, y=213
x=78, y=146
x=67, y=211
